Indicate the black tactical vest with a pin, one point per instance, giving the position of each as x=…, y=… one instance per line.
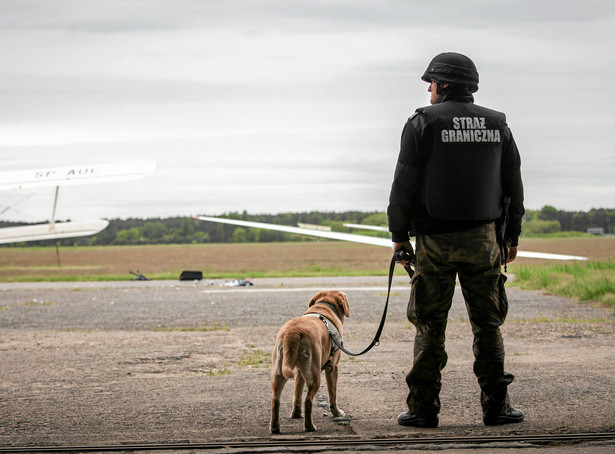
x=462, y=178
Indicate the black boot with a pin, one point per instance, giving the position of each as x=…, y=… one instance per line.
x=511, y=416
x=417, y=420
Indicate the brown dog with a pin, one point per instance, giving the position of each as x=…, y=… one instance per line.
x=302, y=349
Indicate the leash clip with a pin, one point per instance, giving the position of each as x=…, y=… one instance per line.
x=403, y=255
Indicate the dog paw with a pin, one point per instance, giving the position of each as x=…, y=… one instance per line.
x=296, y=414
x=274, y=430
x=337, y=412
x=310, y=428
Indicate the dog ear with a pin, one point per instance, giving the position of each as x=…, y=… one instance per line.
x=343, y=300
x=316, y=297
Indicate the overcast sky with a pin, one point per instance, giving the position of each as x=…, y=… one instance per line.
x=271, y=106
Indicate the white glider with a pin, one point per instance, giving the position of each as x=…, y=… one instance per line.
x=375, y=241
x=66, y=176
x=377, y=228
x=57, y=230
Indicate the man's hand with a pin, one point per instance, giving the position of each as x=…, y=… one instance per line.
x=512, y=253
x=407, y=246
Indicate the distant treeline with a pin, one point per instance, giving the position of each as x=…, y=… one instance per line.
x=186, y=230
x=551, y=220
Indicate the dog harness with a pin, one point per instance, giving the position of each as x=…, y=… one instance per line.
x=333, y=333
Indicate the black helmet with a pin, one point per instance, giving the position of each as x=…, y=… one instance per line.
x=452, y=68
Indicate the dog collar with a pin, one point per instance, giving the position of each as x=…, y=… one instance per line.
x=331, y=306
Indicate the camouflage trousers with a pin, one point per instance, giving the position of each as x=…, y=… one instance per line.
x=475, y=256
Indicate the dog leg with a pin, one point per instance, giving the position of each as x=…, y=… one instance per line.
x=278, y=380
x=313, y=384
x=277, y=385
x=312, y=389
x=298, y=395
x=331, y=375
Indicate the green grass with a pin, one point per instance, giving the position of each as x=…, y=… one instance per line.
x=39, y=303
x=213, y=327
x=253, y=358
x=566, y=234
x=575, y=321
x=212, y=373
x=586, y=281
x=314, y=271
x=306, y=271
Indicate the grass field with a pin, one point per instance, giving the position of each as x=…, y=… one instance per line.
x=591, y=281
x=317, y=258
x=214, y=260
x=588, y=281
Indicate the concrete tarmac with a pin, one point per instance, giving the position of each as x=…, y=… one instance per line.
x=168, y=361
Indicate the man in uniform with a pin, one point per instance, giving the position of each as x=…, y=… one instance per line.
x=457, y=187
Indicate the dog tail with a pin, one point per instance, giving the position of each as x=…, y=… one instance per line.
x=289, y=354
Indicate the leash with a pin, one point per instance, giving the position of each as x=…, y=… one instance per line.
x=397, y=257
x=502, y=232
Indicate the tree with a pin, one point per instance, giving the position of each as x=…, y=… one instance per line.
x=540, y=227
x=128, y=236
x=379, y=219
x=548, y=213
x=154, y=231
x=186, y=230
x=578, y=222
x=240, y=235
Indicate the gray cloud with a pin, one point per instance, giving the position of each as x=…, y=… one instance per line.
x=289, y=106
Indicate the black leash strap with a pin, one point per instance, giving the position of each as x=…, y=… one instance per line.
x=502, y=232
x=396, y=257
